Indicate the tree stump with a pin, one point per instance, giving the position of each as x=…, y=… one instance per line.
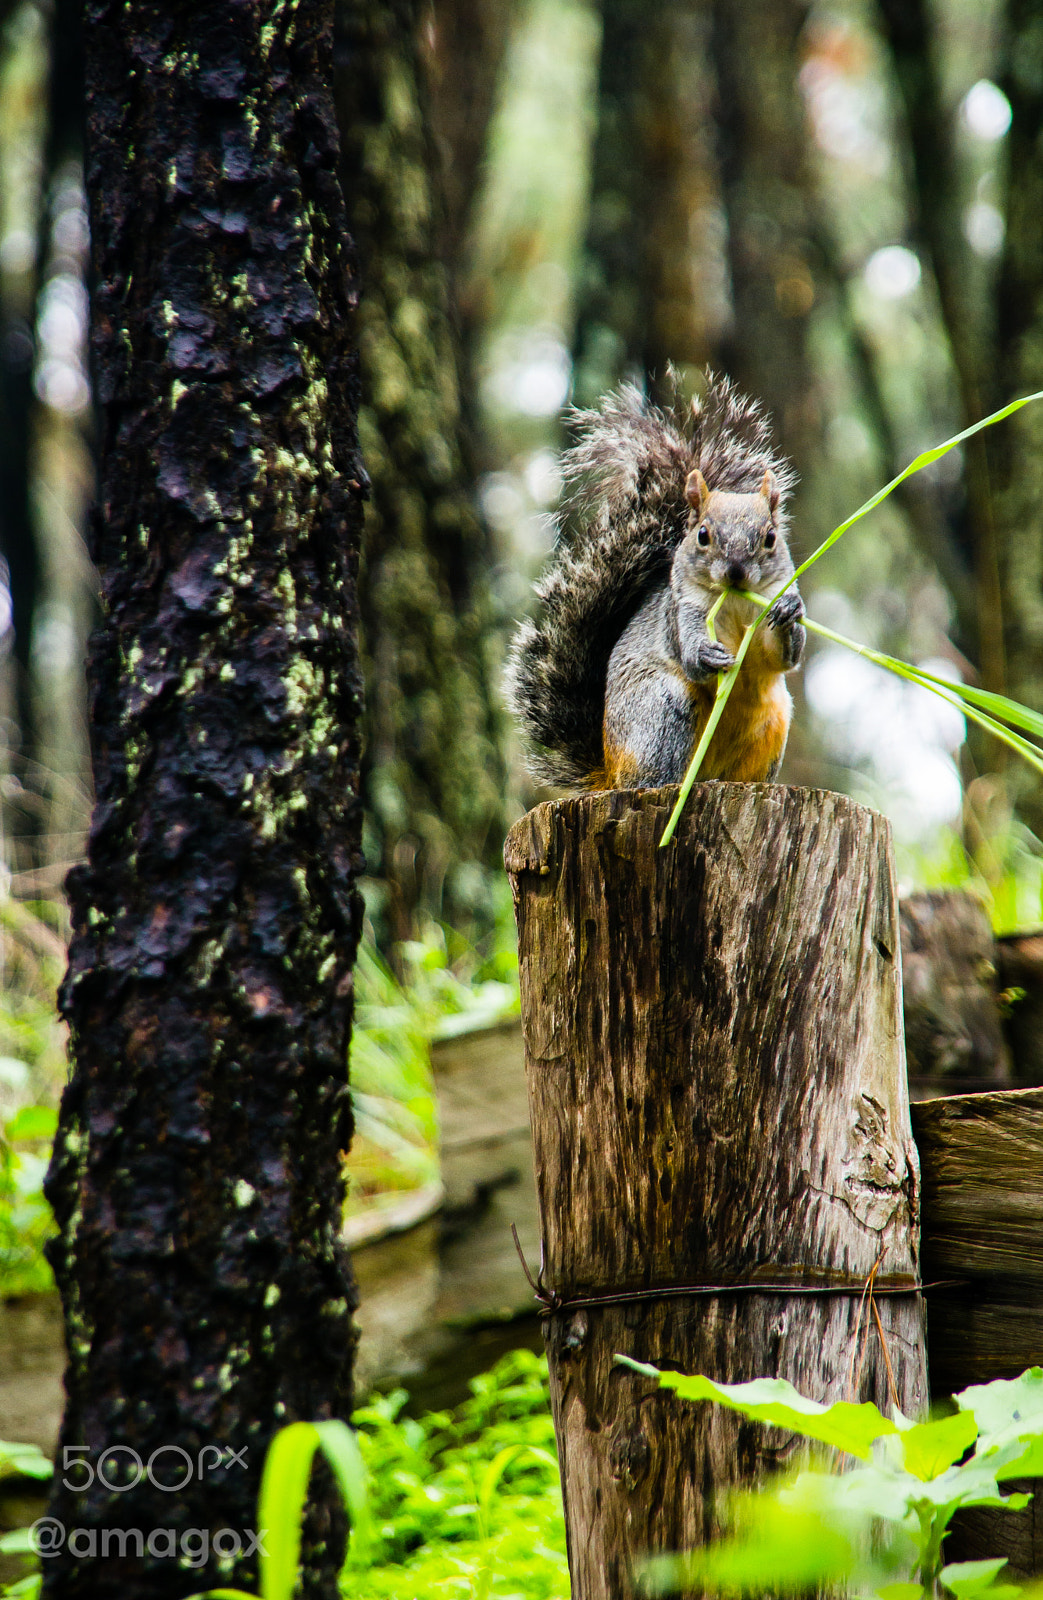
x=953, y=1032
x=717, y=1086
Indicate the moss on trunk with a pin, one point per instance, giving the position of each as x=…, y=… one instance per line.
x=196, y=1175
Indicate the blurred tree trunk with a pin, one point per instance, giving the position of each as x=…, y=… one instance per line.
x=994, y=329
x=650, y=290
x=433, y=776
x=1017, y=448
x=462, y=46
x=196, y=1175
x=937, y=202
x=766, y=187
x=21, y=539
x=692, y=254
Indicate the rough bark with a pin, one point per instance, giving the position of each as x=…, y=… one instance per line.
x=433, y=776
x=765, y=184
x=953, y=1035
x=649, y=289
x=716, y=1077
x=196, y=1175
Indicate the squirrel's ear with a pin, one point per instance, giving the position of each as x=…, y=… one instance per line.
x=695, y=490
x=770, y=490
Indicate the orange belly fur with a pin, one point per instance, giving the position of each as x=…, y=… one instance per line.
x=750, y=737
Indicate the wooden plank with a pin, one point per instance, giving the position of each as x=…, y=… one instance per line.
x=981, y=1161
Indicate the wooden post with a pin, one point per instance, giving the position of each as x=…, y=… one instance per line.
x=717, y=1088
x=982, y=1157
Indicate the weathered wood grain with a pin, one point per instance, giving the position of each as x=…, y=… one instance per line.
x=717, y=1086
x=982, y=1162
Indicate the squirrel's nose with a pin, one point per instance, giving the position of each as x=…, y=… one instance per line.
x=736, y=574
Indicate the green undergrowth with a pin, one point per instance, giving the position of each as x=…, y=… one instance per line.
x=464, y=1503
x=455, y=1505
x=998, y=859
x=443, y=986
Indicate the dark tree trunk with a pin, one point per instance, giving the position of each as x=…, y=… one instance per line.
x=649, y=290
x=433, y=776
x=196, y=1175
x=765, y=186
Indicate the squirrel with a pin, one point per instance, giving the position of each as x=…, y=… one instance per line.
x=669, y=508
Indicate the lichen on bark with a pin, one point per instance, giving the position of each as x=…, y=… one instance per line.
x=196, y=1176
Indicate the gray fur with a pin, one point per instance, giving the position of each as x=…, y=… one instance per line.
x=625, y=514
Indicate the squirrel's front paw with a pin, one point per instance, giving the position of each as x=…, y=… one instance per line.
x=711, y=657
x=786, y=611
x=785, y=617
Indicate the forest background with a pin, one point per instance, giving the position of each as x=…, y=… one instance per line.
x=839, y=205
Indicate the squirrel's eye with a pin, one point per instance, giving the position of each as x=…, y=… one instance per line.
x=703, y=535
x=769, y=539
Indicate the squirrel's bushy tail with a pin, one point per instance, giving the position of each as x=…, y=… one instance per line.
x=625, y=512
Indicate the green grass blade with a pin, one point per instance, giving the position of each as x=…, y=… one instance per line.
x=961, y=695
x=340, y=1447
x=211, y=1594
x=997, y=705
x=977, y=698
x=284, y=1490
x=926, y=458
x=725, y=685
x=957, y=694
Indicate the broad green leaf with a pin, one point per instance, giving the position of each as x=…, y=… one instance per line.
x=849, y=1427
x=1004, y=1404
x=929, y=1448
x=777, y=1548
x=29, y=1589
x=23, y=1461
x=1027, y=1462
x=900, y=1591
x=967, y=1579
